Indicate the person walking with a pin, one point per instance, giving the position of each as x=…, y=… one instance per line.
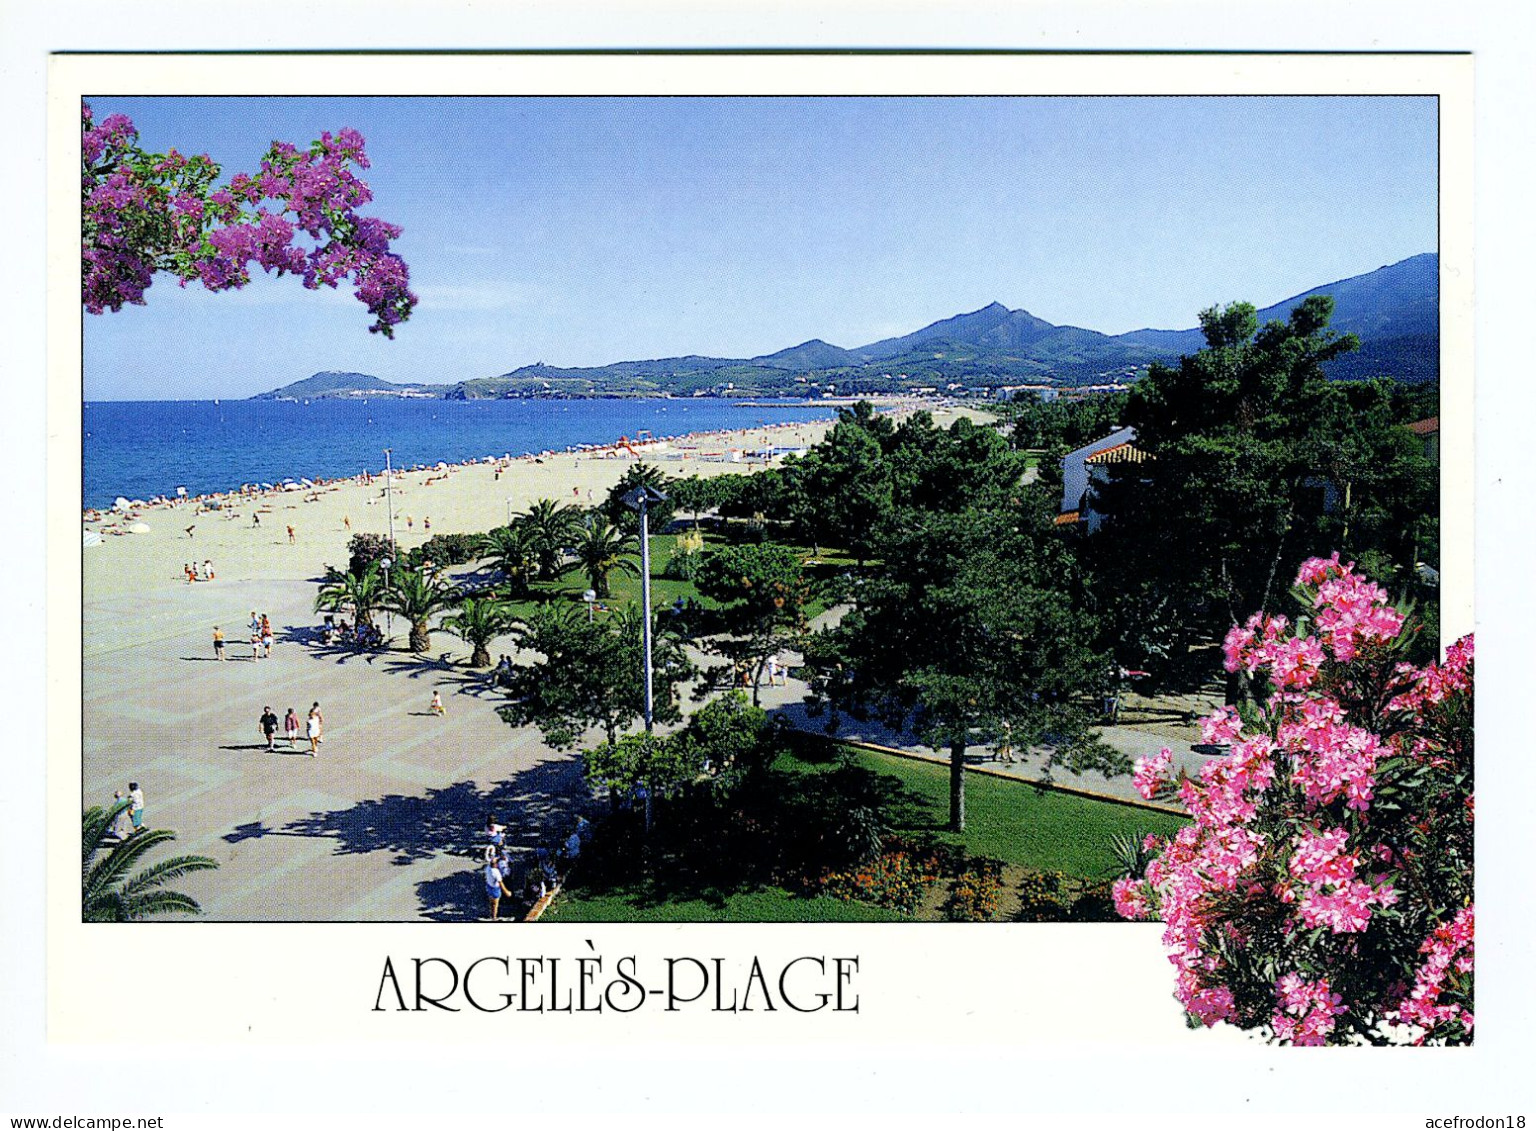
x=218, y=643
x=136, y=806
x=291, y=538
x=268, y=725
x=120, y=822
x=495, y=886
x=256, y=646
x=291, y=727
x=315, y=724
x=266, y=636
x=437, y=703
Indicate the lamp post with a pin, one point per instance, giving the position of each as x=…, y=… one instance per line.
x=389, y=618
x=639, y=499
x=389, y=500
x=589, y=596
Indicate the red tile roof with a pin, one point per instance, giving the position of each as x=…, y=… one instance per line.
x=1120, y=453
x=1426, y=427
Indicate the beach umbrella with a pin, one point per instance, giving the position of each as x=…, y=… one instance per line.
x=89, y=538
x=120, y=503
x=266, y=486
x=307, y=482
x=139, y=528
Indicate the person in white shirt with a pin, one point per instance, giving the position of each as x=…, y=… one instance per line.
x=136, y=806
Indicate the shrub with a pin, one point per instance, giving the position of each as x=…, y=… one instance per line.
x=974, y=896
x=898, y=878
x=1043, y=898
x=1095, y=905
x=445, y=550
x=365, y=549
x=1323, y=894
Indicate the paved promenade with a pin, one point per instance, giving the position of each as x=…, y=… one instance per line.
x=378, y=827
x=383, y=824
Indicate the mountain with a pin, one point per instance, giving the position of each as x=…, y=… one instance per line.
x=331, y=383
x=1401, y=300
x=1394, y=310
x=814, y=354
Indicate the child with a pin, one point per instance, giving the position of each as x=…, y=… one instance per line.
x=437, y=703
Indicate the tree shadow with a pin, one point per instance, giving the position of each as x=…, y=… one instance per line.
x=538, y=806
x=312, y=638
x=413, y=666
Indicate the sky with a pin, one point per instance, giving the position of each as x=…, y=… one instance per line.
x=582, y=231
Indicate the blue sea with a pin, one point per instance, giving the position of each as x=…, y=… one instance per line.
x=140, y=449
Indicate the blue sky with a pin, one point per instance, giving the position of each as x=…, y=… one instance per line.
x=579, y=231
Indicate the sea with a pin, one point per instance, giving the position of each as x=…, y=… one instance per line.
x=140, y=449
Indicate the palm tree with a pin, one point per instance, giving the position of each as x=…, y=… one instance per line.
x=604, y=548
x=479, y=621
x=416, y=595
x=512, y=552
x=550, y=528
x=362, y=593
x=108, y=893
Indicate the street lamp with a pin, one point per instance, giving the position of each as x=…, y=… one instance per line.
x=389, y=618
x=589, y=596
x=389, y=495
x=639, y=499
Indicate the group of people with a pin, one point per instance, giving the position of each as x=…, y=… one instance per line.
x=542, y=876
x=260, y=630
x=501, y=674
x=195, y=573
x=130, y=812
x=314, y=728
x=341, y=633
x=775, y=669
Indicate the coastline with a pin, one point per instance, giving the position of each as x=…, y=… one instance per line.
x=468, y=497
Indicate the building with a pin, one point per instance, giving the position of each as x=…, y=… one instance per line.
x=1080, y=469
x=1428, y=430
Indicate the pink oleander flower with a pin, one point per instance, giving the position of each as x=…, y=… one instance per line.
x=1131, y=898
x=1284, y=850
x=1149, y=772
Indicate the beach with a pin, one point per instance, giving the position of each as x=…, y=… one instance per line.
x=379, y=826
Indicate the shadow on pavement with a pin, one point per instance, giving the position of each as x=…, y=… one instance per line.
x=538, y=806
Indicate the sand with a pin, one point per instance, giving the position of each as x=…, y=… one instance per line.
x=382, y=825
x=456, y=499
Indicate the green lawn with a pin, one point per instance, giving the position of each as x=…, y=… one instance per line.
x=1010, y=821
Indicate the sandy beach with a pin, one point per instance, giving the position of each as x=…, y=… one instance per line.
x=378, y=827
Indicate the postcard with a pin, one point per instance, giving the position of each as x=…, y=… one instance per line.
x=698, y=547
